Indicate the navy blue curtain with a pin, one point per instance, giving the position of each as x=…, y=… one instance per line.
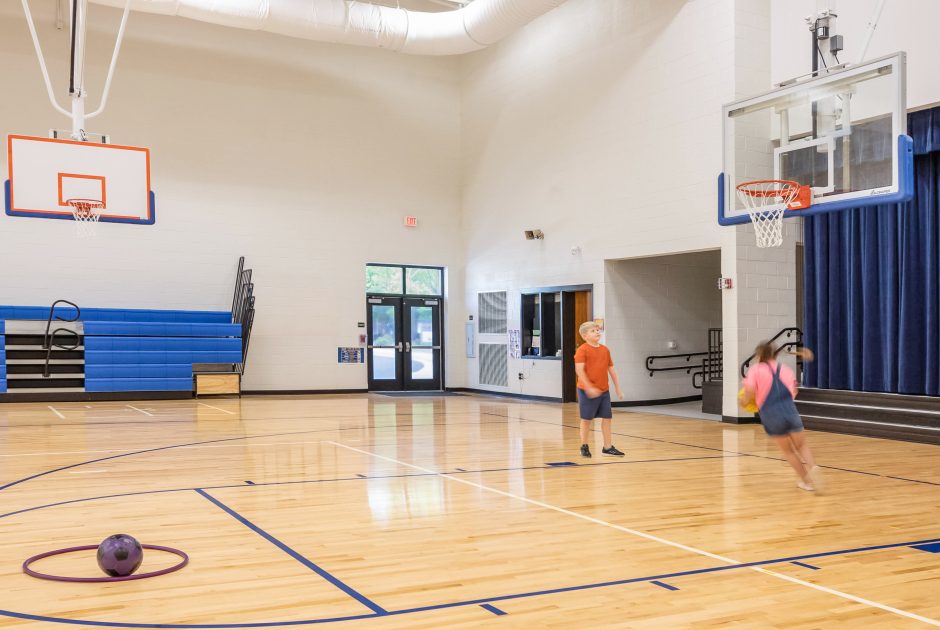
x=872, y=284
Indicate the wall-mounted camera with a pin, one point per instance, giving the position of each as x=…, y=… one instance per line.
x=534, y=235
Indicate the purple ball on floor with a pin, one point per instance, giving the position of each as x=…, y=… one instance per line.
x=120, y=555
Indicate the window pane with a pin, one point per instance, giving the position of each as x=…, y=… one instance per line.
x=383, y=325
x=422, y=364
x=422, y=326
x=423, y=281
x=383, y=364
x=383, y=279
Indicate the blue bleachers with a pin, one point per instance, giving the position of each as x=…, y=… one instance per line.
x=162, y=329
x=117, y=314
x=139, y=384
x=159, y=357
x=165, y=370
x=175, y=344
x=142, y=349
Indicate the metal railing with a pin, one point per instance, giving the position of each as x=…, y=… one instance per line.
x=243, y=309
x=53, y=344
x=696, y=369
x=688, y=357
x=78, y=313
x=48, y=340
x=713, y=364
x=795, y=344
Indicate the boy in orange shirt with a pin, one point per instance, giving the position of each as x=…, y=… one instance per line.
x=592, y=363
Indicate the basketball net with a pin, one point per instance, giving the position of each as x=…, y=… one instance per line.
x=86, y=213
x=766, y=200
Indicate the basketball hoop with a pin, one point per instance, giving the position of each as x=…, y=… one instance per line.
x=766, y=200
x=86, y=213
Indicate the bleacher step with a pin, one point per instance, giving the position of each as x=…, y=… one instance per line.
x=43, y=362
x=12, y=376
x=33, y=327
x=36, y=346
x=47, y=390
x=872, y=414
x=867, y=428
x=45, y=382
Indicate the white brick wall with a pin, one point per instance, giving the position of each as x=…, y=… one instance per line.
x=606, y=137
x=303, y=157
x=651, y=301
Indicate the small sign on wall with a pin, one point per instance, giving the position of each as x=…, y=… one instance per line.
x=411, y=221
x=515, y=345
x=350, y=355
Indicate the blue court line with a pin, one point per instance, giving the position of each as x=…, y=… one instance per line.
x=493, y=609
x=473, y=602
x=460, y=470
x=803, y=564
x=618, y=462
x=663, y=576
x=668, y=587
x=362, y=599
x=362, y=476
x=929, y=547
x=250, y=483
x=559, y=464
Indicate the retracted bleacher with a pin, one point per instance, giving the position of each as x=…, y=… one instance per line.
x=120, y=350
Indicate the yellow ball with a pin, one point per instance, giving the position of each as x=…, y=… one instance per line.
x=746, y=404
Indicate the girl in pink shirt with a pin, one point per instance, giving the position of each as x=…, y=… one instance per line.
x=773, y=387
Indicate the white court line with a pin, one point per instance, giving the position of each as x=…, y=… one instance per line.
x=140, y=410
x=231, y=413
x=55, y=411
x=860, y=600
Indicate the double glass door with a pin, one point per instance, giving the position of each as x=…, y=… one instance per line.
x=404, y=349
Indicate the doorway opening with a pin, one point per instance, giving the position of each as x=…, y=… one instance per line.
x=405, y=349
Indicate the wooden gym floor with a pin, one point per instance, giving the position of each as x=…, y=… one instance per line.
x=371, y=511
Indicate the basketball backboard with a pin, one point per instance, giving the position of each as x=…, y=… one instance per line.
x=842, y=133
x=44, y=173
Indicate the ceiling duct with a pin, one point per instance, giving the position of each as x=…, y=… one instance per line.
x=477, y=25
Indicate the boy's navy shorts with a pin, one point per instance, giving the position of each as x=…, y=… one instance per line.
x=591, y=408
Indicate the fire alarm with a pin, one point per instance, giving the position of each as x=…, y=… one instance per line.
x=725, y=283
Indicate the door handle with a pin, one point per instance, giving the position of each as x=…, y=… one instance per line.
x=398, y=346
x=407, y=346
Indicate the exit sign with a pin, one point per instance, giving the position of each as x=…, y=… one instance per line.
x=411, y=221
